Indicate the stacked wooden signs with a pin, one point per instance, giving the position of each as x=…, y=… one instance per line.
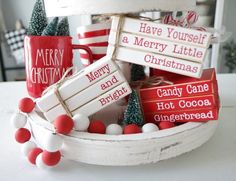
x=188, y=99
x=91, y=90
x=165, y=47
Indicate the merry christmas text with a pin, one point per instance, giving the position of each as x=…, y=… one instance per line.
x=48, y=66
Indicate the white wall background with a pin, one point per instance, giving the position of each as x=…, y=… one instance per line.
x=230, y=17
x=21, y=9
x=229, y=21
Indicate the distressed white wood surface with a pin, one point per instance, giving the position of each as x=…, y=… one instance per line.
x=88, y=94
x=78, y=83
x=156, y=61
x=94, y=105
x=127, y=149
x=72, y=7
x=215, y=160
x=94, y=91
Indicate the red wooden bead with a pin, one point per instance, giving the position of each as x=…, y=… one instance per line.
x=51, y=158
x=166, y=125
x=32, y=155
x=63, y=124
x=132, y=129
x=22, y=135
x=97, y=126
x=26, y=105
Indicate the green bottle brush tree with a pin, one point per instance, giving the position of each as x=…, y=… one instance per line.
x=38, y=25
x=133, y=113
x=230, y=56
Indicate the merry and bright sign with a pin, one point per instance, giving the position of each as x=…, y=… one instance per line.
x=166, y=47
x=87, y=92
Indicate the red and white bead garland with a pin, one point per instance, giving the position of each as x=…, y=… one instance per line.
x=50, y=155
x=46, y=158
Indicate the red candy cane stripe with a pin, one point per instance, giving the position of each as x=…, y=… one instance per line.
x=191, y=17
x=186, y=21
x=167, y=19
x=98, y=44
x=94, y=33
x=95, y=56
x=200, y=28
x=96, y=39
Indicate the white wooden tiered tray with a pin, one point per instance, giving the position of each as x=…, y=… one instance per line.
x=73, y=7
x=132, y=149
x=124, y=150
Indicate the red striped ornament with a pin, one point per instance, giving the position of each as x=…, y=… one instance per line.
x=96, y=37
x=167, y=19
x=191, y=17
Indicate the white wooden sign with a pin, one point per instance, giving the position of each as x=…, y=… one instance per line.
x=159, y=46
x=84, y=79
x=175, y=49
x=157, y=61
x=98, y=83
x=95, y=105
x=162, y=31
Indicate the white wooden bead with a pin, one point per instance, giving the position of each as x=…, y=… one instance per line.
x=79, y=147
x=18, y=120
x=27, y=147
x=149, y=127
x=81, y=122
x=114, y=129
x=40, y=164
x=52, y=142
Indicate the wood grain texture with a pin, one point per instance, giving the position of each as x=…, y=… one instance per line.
x=72, y=7
x=127, y=149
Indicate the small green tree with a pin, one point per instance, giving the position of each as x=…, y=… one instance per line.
x=38, y=20
x=137, y=72
x=133, y=113
x=230, y=55
x=63, y=27
x=51, y=28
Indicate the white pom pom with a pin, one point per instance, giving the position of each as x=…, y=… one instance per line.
x=39, y=162
x=52, y=142
x=149, y=127
x=81, y=122
x=27, y=147
x=18, y=120
x=114, y=129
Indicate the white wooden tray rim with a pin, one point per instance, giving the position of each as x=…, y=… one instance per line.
x=36, y=119
x=73, y=7
x=126, y=150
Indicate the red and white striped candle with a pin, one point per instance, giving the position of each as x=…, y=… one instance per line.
x=95, y=36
